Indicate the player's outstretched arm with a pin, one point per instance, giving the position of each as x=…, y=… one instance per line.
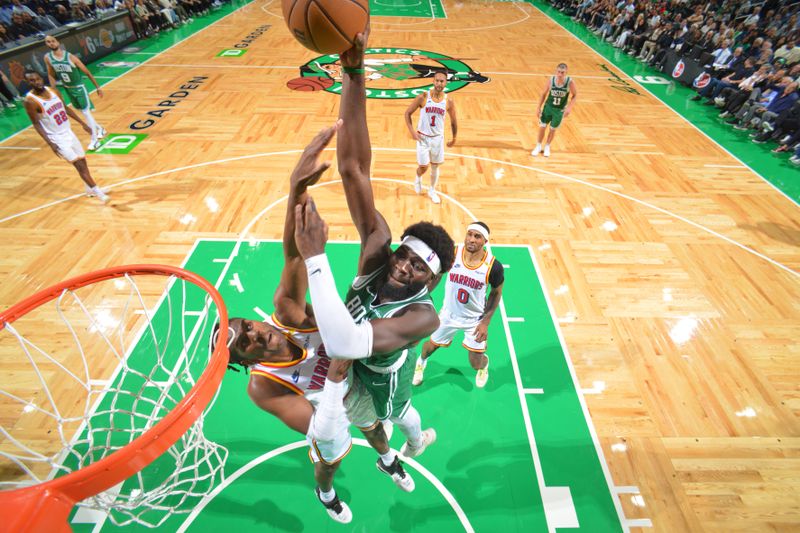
x=573, y=95
x=78, y=63
x=451, y=111
x=354, y=156
x=290, y=296
x=51, y=74
x=292, y=409
x=417, y=103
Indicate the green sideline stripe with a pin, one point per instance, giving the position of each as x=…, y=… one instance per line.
x=407, y=8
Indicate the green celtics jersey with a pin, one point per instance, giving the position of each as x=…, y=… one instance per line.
x=66, y=72
x=361, y=304
x=558, y=95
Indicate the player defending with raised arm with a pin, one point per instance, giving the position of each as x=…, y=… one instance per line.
x=66, y=69
x=429, y=133
x=466, y=306
x=291, y=373
x=389, y=309
x=49, y=117
x=554, y=99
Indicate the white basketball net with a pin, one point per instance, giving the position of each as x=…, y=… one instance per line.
x=94, y=369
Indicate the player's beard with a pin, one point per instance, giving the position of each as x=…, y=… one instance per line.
x=389, y=293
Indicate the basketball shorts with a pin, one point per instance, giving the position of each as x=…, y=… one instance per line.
x=552, y=116
x=430, y=149
x=69, y=146
x=375, y=396
x=450, y=324
x=329, y=451
x=78, y=96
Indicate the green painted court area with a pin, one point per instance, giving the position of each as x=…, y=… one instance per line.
x=407, y=8
x=484, y=462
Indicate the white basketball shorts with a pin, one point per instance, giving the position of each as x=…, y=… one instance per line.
x=449, y=325
x=430, y=149
x=69, y=146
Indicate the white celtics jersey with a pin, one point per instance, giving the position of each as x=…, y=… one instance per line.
x=53, y=118
x=305, y=375
x=431, y=117
x=465, y=290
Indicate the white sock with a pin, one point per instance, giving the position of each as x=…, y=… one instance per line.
x=96, y=189
x=327, y=497
x=411, y=426
x=87, y=113
x=421, y=361
x=539, y=146
x=434, y=176
x=388, y=458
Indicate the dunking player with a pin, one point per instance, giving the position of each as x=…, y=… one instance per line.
x=554, y=98
x=49, y=117
x=430, y=131
x=389, y=309
x=286, y=356
x=466, y=307
x=66, y=69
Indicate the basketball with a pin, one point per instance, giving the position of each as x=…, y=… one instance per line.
x=326, y=26
x=309, y=83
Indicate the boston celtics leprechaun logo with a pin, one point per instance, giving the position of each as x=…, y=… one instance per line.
x=391, y=73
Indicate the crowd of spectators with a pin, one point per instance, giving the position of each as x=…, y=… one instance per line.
x=749, y=49
x=20, y=19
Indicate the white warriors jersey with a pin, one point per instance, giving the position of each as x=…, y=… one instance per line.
x=305, y=375
x=465, y=290
x=54, y=119
x=431, y=117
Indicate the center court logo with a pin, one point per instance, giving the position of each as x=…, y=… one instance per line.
x=391, y=73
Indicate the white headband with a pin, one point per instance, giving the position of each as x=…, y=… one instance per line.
x=477, y=228
x=424, y=251
x=231, y=337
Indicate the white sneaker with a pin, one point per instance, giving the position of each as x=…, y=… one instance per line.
x=482, y=376
x=536, y=150
x=433, y=196
x=419, y=372
x=337, y=509
x=418, y=185
x=103, y=197
x=93, y=145
x=102, y=134
x=547, y=150
x=398, y=474
x=89, y=190
x=428, y=438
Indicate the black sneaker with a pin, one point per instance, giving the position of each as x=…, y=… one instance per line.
x=397, y=473
x=337, y=509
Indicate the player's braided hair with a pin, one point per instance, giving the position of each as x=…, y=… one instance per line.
x=437, y=238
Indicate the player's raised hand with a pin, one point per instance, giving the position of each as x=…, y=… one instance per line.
x=310, y=231
x=354, y=57
x=309, y=170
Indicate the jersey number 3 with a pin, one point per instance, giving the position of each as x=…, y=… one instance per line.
x=462, y=296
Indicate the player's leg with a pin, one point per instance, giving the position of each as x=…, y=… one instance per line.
x=443, y=336
x=555, y=121
x=69, y=147
x=544, y=119
x=360, y=407
x=437, y=158
x=477, y=356
x=423, y=160
x=403, y=414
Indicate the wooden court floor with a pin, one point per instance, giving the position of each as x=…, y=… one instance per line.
x=672, y=267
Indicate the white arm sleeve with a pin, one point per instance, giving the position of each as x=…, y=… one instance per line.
x=330, y=419
x=343, y=338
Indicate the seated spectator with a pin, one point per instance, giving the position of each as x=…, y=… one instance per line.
x=716, y=85
x=768, y=107
x=19, y=28
x=782, y=127
x=62, y=15
x=789, y=52
x=102, y=8
x=46, y=21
